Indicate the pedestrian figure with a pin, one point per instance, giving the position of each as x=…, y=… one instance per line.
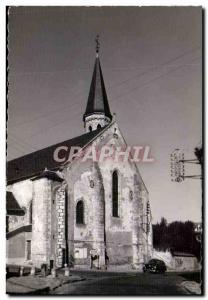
x=93, y=257
x=106, y=260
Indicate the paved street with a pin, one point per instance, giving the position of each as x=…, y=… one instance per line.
x=128, y=284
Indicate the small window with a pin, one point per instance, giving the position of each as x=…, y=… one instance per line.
x=115, y=194
x=99, y=126
x=90, y=128
x=80, y=212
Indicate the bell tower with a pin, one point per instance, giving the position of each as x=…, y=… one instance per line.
x=97, y=113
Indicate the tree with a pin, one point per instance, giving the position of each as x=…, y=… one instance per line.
x=176, y=236
x=198, y=151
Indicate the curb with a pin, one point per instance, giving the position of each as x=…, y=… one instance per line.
x=30, y=291
x=62, y=282
x=44, y=291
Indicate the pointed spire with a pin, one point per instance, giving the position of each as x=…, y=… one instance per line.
x=97, y=99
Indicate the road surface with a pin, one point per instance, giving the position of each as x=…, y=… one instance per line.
x=128, y=284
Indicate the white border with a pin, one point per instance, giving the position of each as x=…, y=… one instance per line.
x=104, y=3
x=2, y=143
x=3, y=4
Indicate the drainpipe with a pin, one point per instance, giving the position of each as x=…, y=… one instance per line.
x=104, y=219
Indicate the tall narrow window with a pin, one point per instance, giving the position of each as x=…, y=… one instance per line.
x=28, y=250
x=80, y=212
x=30, y=213
x=7, y=224
x=90, y=128
x=115, y=194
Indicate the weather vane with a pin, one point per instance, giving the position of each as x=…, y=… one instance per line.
x=97, y=44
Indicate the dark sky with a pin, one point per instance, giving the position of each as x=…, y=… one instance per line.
x=151, y=62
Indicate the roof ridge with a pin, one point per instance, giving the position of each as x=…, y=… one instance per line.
x=52, y=145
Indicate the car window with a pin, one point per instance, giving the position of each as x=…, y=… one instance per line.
x=152, y=261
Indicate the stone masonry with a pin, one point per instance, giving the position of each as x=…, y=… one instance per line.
x=60, y=209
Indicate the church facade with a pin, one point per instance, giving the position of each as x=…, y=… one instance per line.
x=81, y=213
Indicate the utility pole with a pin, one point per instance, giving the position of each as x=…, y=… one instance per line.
x=178, y=162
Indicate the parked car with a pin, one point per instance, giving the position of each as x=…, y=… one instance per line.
x=155, y=266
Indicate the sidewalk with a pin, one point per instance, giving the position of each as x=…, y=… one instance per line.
x=192, y=287
x=38, y=284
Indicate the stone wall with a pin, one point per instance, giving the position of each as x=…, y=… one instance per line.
x=126, y=236
x=131, y=242
x=48, y=219
x=23, y=193
x=16, y=244
x=41, y=211
x=182, y=263
x=177, y=263
x=119, y=247
x=88, y=188
x=16, y=248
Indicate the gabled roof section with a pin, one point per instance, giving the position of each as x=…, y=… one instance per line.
x=12, y=205
x=97, y=100
x=34, y=164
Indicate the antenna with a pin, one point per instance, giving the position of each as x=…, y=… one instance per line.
x=97, y=44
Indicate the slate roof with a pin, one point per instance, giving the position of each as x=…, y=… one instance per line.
x=34, y=164
x=97, y=100
x=12, y=205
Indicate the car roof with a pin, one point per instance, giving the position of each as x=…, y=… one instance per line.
x=156, y=260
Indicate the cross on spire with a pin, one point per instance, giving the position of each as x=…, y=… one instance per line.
x=97, y=44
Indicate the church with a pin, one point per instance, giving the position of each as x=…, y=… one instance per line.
x=79, y=213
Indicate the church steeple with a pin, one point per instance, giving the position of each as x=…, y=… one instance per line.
x=97, y=112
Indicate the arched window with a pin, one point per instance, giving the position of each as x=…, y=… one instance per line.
x=80, y=212
x=30, y=213
x=99, y=126
x=90, y=128
x=115, y=194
